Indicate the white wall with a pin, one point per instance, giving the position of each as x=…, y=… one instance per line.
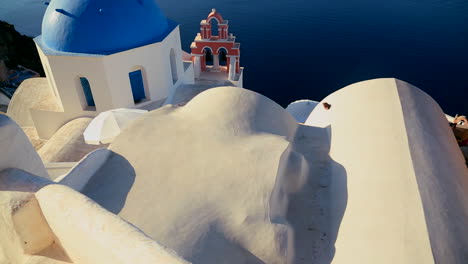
x=63, y=74
x=66, y=72
x=153, y=60
x=240, y=82
x=49, y=74
x=376, y=211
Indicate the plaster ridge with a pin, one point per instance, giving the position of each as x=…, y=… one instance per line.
x=411, y=160
x=441, y=176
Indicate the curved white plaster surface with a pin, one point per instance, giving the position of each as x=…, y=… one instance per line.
x=44, y=222
x=32, y=93
x=384, y=132
x=17, y=188
x=16, y=150
x=68, y=144
x=231, y=177
x=83, y=171
x=107, y=125
x=301, y=109
x=91, y=234
x=441, y=174
x=204, y=175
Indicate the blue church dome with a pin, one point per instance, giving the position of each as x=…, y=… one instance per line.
x=102, y=26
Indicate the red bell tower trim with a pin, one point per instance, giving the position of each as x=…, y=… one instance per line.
x=223, y=41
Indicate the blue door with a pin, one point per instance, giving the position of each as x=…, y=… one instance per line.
x=87, y=91
x=138, y=89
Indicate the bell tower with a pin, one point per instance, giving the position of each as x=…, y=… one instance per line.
x=215, y=49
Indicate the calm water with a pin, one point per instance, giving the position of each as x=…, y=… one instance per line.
x=298, y=49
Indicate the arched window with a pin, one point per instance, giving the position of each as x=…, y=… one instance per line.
x=222, y=56
x=138, y=88
x=173, y=66
x=214, y=27
x=208, y=56
x=87, y=91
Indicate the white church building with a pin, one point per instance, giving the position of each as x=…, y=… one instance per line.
x=102, y=55
x=97, y=60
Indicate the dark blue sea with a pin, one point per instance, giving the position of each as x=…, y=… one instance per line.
x=298, y=49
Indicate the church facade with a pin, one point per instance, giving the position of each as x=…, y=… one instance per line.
x=96, y=60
